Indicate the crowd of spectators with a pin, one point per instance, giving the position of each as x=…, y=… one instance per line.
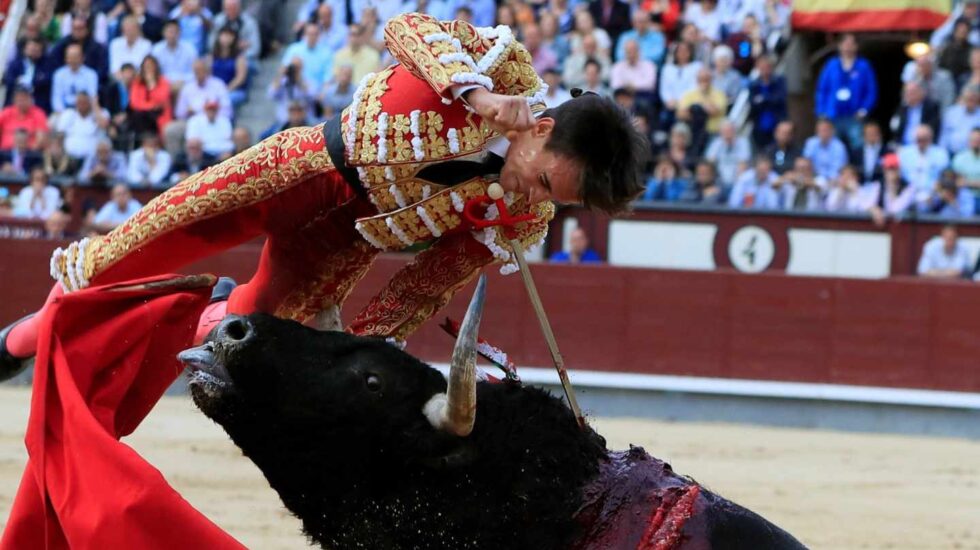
x=146, y=93
x=925, y=159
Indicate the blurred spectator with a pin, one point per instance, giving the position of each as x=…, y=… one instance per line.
x=83, y=12
x=243, y=24
x=960, y=119
x=968, y=9
x=972, y=77
x=747, y=45
x=915, y=109
x=767, y=94
x=94, y=54
x=868, y=157
x=71, y=79
x=190, y=161
x=955, y=53
x=574, y=74
x=700, y=45
x=30, y=69
x=593, y=79
x=725, y=78
x=149, y=99
x=191, y=99
x=362, y=59
x=104, y=166
x=56, y=226
x=149, y=165
x=705, y=105
x=647, y=35
x=117, y=99
x=578, y=250
x=213, y=129
x=704, y=189
x=176, y=56
x=937, y=82
x=19, y=159
x=613, y=16
x=945, y=257
x=557, y=94
x=801, y=188
x=825, y=151
x=228, y=64
x=24, y=116
x=315, y=58
x=241, y=138
x=151, y=25
x=730, y=153
x=782, y=152
x=585, y=27
x=374, y=36
x=297, y=116
x=333, y=32
x=951, y=199
x=665, y=184
x=120, y=208
x=543, y=57
x=553, y=39
x=848, y=196
x=83, y=126
x=506, y=16
x=708, y=18
x=678, y=76
x=966, y=164
x=290, y=86
x=339, y=93
x=846, y=91
x=755, y=188
x=896, y=195
x=55, y=159
x=626, y=99
x=194, y=21
x=130, y=47
x=38, y=200
x=922, y=163
x=634, y=73
x=679, y=147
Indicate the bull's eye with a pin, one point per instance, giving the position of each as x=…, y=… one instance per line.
x=373, y=382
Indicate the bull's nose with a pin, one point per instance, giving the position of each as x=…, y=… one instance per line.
x=235, y=330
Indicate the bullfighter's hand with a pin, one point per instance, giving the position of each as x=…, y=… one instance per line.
x=503, y=113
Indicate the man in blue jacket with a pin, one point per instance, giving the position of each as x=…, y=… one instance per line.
x=847, y=91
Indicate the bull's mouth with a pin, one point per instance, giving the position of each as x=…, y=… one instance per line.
x=206, y=373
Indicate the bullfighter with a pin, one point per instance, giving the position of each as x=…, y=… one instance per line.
x=462, y=108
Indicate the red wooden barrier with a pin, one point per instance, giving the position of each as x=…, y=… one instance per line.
x=900, y=332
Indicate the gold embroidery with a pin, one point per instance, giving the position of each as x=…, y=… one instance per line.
x=278, y=163
x=334, y=276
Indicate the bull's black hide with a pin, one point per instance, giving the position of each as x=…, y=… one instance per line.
x=336, y=424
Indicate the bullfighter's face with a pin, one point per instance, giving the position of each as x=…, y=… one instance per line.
x=272, y=383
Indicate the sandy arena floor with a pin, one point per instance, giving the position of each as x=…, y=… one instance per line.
x=832, y=490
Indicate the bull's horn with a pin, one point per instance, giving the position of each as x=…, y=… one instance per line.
x=455, y=411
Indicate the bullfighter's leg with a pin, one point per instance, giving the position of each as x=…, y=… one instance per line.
x=231, y=203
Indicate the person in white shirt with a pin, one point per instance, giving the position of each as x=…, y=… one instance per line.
x=190, y=101
x=756, y=188
x=83, y=126
x=679, y=76
x=708, y=18
x=120, y=208
x=37, y=201
x=945, y=257
x=848, y=196
x=176, y=56
x=556, y=94
x=213, y=129
x=131, y=47
x=72, y=78
x=149, y=165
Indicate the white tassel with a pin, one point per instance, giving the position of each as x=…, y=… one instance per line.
x=458, y=57
x=80, y=264
x=453, y=136
x=437, y=37
x=352, y=113
x=382, y=137
x=458, y=203
x=397, y=231
x=369, y=237
x=429, y=223
x=416, y=139
x=397, y=193
x=473, y=78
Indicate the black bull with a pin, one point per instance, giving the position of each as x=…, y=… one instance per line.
x=361, y=443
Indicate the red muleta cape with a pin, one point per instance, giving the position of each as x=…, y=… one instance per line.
x=105, y=357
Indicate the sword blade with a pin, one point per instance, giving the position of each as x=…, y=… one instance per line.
x=549, y=335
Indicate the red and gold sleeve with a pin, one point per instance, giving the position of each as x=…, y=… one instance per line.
x=450, y=53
